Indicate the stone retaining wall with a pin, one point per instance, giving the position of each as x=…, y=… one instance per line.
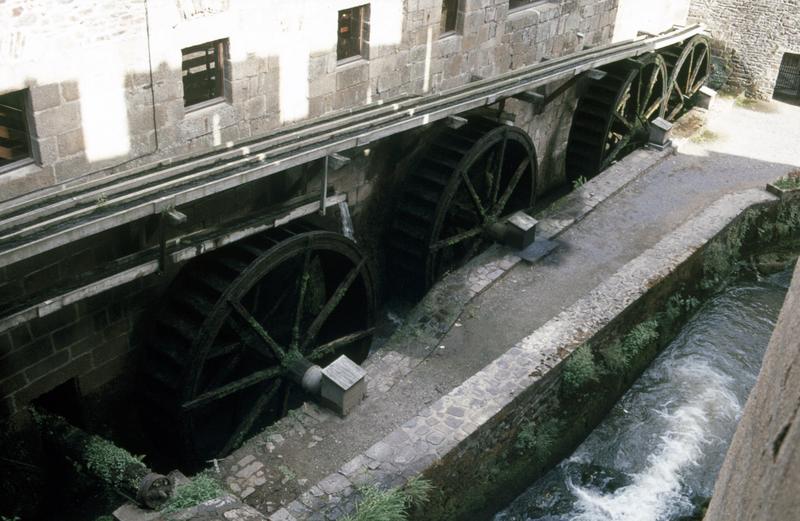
x=465, y=443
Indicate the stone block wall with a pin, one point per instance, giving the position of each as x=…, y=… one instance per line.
x=139, y=44
x=89, y=120
x=752, y=37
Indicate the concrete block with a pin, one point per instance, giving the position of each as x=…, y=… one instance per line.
x=706, y=97
x=660, y=130
x=343, y=385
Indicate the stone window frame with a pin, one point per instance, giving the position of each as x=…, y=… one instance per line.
x=458, y=21
x=522, y=5
x=31, y=161
x=221, y=81
x=363, y=38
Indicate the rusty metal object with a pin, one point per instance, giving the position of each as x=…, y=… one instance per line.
x=614, y=114
x=243, y=325
x=460, y=185
x=154, y=490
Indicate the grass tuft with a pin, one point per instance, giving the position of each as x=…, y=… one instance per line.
x=202, y=487
x=390, y=505
x=579, y=370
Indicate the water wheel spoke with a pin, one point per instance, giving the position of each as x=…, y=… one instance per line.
x=621, y=118
x=223, y=350
x=512, y=185
x=303, y=287
x=276, y=350
x=247, y=422
x=498, y=170
x=695, y=85
x=323, y=350
x=284, y=294
x=476, y=200
x=652, y=109
x=330, y=305
x=615, y=150
x=223, y=372
x=231, y=388
x=455, y=239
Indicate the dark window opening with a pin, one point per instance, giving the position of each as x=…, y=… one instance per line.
x=204, y=72
x=353, y=33
x=517, y=4
x=64, y=400
x=787, y=88
x=449, y=15
x=14, y=138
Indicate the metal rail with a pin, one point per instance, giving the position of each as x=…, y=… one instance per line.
x=54, y=217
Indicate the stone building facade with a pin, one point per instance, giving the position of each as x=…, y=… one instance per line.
x=103, y=92
x=753, y=38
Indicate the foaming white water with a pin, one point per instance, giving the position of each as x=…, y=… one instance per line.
x=656, y=492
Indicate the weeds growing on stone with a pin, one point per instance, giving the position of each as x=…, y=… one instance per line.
x=618, y=356
x=200, y=488
x=790, y=182
x=706, y=136
x=390, y=505
x=539, y=441
x=579, y=370
x=579, y=182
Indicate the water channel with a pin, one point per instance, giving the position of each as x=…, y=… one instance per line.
x=656, y=456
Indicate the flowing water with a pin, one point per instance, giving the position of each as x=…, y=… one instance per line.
x=657, y=454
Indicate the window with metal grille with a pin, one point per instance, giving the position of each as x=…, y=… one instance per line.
x=14, y=139
x=353, y=32
x=518, y=4
x=788, y=84
x=204, y=72
x=449, y=15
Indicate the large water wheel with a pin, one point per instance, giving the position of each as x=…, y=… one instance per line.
x=235, y=323
x=612, y=118
x=460, y=184
x=689, y=67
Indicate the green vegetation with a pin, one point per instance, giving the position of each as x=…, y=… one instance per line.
x=744, y=102
x=721, y=256
x=113, y=465
x=706, y=136
x=579, y=371
x=618, y=356
x=790, y=182
x=579, y=182
x=201, y=488
x=390, y=505
x=539, y=441
x=105, y=518
x=678, y=305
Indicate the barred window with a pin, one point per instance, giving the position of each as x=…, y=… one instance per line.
x=353, y=33
x=204, y=72
x=14, y=124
